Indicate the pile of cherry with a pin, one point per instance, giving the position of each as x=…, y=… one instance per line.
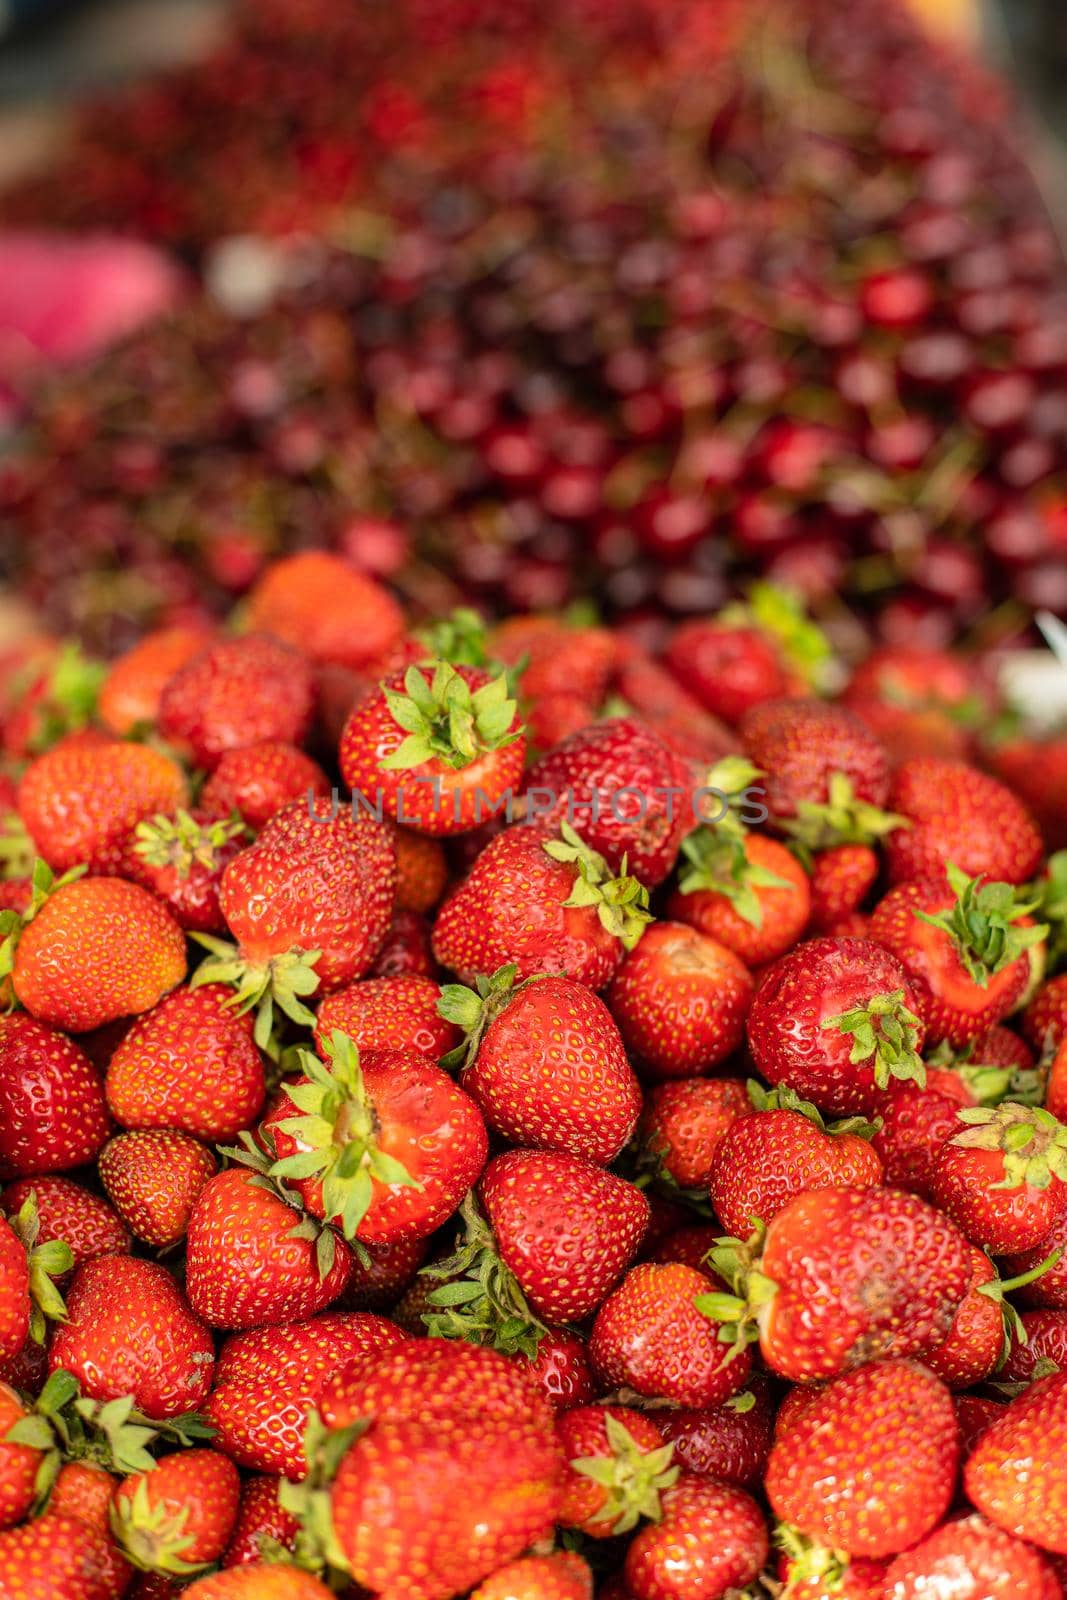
x=640, y=302
x=488, y=1110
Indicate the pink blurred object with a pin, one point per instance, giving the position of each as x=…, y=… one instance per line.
x=63, y=299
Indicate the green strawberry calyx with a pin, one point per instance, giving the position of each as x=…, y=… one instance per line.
x=282, y=981
x=717, y=862
x=783, y=1098
x=621, y=902
x=152, y=1537
x=182, y=842
x=739, y=1312
x=317, y=1548
x=841, y=818
x=780, y=613
x=809, y=1563
x=473, y=1009
x=996, y=1290
x=478, y=1298
x=70, y=697
x=43, y=883
x=1033, y=1143
x=337, y=1129
x=884, y=1035
x=446, y=721
x=632, y=1479
x=261, y=1160
x=47, y=1261
x=982, y=924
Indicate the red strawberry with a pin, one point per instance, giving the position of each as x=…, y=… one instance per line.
x=381, y=1273
x=261, y=1521
x=975, y=1413
x=52, y=1111
x=1045, y=1018
x=545, y=1065
x=20, y=1464
x=258, y=1581
x=841, y=879
x=982, y=1329
x=421, y=870
x=181, y=858
x=841, y=1276
x=560, y=1369
x=1040, y=1345
x=130, y=1330
x=236, y=692
x=440, y=746
x=977, y=1560
x=309, y=905
x=1016, y=1475
x=388, y=1014
x=617, y=1468
x=628, y=794
x=563, y=1575
x=651, y=1336
x=683, y=1126
x=188, y=1064
x=385, y=1149
x=1003, y=1178
x=326, y=608
x=749, y=893
x=129, y=695
x=539, y=899
x=27, y=1293
x=405, y=951
x=835, y=1019
x=711, y=1540
x=178, y=1517
x=80, y=802
x=555, y=717
x=66, y=1211
x=730, y=1442
x=799, y=746
x=253, y=1260
x=1050, y=1289
x=259, y=780
x=959, y=814
x=130, y=953
x=965, y=946
x=152, y=1177
x=815, y=1573
x=268, y=1379
x=56, y=1557
x=680, y=1001
x=782, y=1146
x=729, y=668
x=555, y=658
x=671, y=712
x=917, y=1120
x=866, y=1490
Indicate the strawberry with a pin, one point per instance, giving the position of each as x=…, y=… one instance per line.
x=258, y=1581
x=388, y=1014
x=1016, y=1475
x=80, y=802
x=617, y=1468
x=1050, y=1289
x=27, y=1293
x=917, y=1120
x=267, y=1381
x=683, y=1125
x=626, y=791
x=812, y=1572
x=563, y=1575
x=690, y=1244
x=261, y=1522
x=1045, y=1017
x=835, y=1019
x=309, y=905
x=560, y=1369
x=152, y=1177
x=253, y=1260
x=55, y=1557
x=728, y=668
x=869, y=1491
x=983, y=1328
x=751, y=894
x=385, y=1149
x=966, y=947
x=976, y=1559
x=553, y=718
x=257, y=780
x=555, y=658
x=20, y=1464
x=1040, y=1344
x=130, y=953
x=778, y=1146
x=1003, y=1178
x=326, y=608
x=66, y=1211
x=897, y=1267
x=957, y=813
x=236, y=692
x=680, y=1001
x=188, y=1064
x=975, y=1413
x=131, y=1331
x=539, y=899
x=181, y=858
x=650, y=1335
x=545, y=1065
x=841, y=879
x=84, y=1491
x=729, y=1442
x=677, y=717
x=59, y=699
x=52, y=1111
x=178, y=1517
x=458, y=1472
x=130, y=693
x=405, y=951
x=440, y=746
x=799, y=746
x=710, y=1541
x=381, y=1273
x=421, y=870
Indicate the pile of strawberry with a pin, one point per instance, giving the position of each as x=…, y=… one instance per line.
x=619, y=1147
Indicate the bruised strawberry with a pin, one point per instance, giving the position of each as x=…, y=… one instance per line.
x=617, y=1469
x=982, y=1331
x=52, y=1111
x=748, y=892
x=868, y=1491
x=152, y=1177
x=1003, y=1177
x=328, y=609
x=834, y=1020
x=711, y=1539
x=539, y=899
x=388, y=1014
x=957, y=813
x=680, y=1000
x=81, y=801
x=258, y=780
x=236, y=692
x=1016, y=1475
